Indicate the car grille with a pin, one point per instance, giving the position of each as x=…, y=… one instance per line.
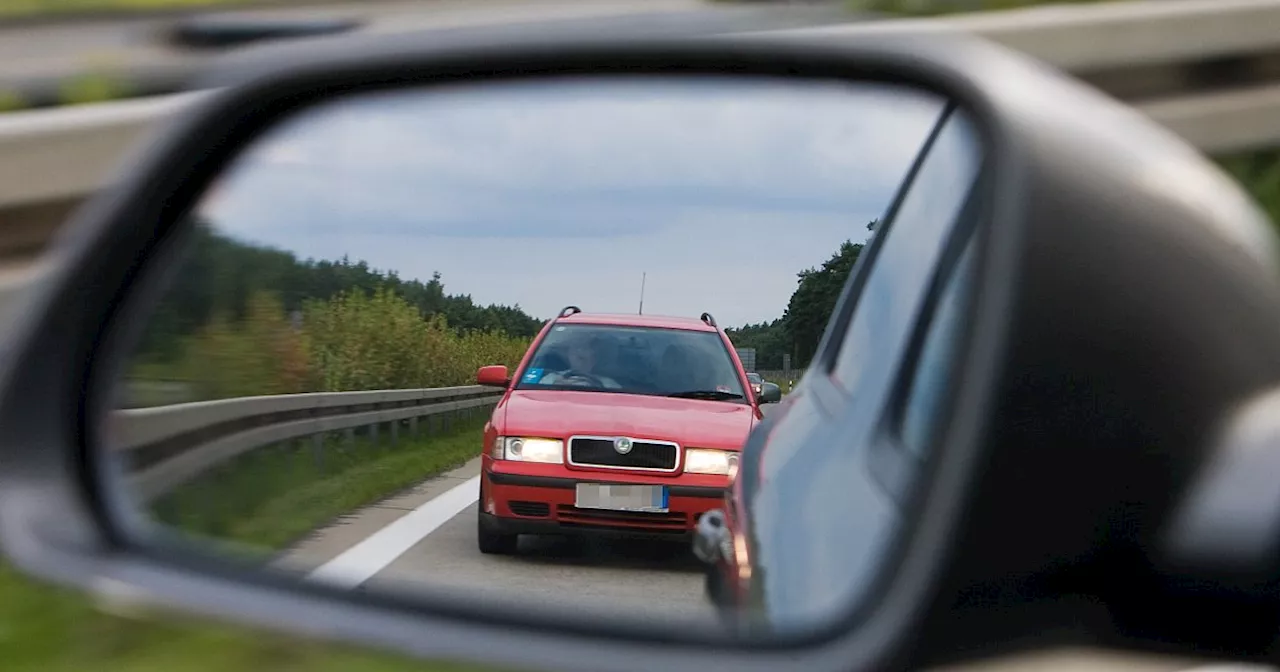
x=599, y=452
x=670, y=523
x=530, y=509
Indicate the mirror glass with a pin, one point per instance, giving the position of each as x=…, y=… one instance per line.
x=506, y=341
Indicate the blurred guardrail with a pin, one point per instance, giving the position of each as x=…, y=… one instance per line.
x=51, y=160
x=169, y=445
x=1207, y=69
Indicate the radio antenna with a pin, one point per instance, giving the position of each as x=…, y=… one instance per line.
x=642, y=279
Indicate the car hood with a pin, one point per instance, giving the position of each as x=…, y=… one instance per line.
x=689, y=422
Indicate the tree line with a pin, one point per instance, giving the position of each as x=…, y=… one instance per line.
x=799, y=329
x=243, y=319
x=221, y=273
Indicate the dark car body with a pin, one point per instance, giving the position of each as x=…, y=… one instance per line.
x=874, y=384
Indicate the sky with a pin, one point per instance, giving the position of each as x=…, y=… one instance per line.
x=554, y=192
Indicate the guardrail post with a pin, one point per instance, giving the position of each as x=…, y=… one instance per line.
x=350, y=436
x=413, y=427
x=317, y=449
x=373, y=434
x=395, y=433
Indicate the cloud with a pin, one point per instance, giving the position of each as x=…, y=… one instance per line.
x=545, y=194
x=591, y=134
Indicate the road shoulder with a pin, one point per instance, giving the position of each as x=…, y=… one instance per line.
x=331, y=541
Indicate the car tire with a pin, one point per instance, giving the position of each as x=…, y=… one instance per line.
x=494, y=543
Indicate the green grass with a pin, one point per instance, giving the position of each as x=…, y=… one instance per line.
x=16, y=8
x=267, y=499
x=272, y=497
x=47, y=629
x=92, y=88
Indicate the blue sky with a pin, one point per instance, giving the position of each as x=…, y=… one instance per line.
x=546, y=193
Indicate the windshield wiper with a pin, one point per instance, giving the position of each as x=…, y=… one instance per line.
x=715, y=395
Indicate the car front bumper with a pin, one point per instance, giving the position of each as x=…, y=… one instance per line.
x=527, y=504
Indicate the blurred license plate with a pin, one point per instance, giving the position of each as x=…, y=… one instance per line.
x=622, y=497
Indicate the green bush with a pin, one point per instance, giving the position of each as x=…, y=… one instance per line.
x=378, y=340
x=355, y=340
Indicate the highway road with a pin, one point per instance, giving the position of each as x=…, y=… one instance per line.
x=47, y=51
x=57, y=48
x=425, y=540
x=647, y=579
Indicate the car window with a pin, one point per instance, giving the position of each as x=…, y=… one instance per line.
x=633, y=360
x=936, y=365
x=888, y=306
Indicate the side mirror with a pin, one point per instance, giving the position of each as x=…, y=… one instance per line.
x=493, y=376
x=1061, y=306
x=770, y=393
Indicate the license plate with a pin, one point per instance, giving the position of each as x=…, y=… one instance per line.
x=614, y=497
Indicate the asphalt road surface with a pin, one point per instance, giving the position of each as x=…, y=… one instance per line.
x=57, y=49
x=35, y=52
x=645, y=579
x=424, y=540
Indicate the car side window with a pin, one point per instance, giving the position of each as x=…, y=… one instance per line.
x=897, y=285
x=936, y=363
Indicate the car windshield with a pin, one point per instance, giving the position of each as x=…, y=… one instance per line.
x=652, y=361
x=754, y=378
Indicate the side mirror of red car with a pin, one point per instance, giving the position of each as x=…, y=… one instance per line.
x=493, y=376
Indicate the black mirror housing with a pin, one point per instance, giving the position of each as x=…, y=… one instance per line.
x=1086, y=224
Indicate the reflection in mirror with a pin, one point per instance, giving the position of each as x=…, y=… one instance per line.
x=508, y=339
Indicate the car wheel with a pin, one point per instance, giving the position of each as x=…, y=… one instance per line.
x=494, y=543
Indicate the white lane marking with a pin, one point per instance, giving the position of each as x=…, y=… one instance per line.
x=360, y=562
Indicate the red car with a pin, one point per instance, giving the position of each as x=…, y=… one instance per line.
x=615, y=424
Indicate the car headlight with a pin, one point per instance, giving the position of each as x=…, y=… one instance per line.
x=705, y=461
x=528, y=449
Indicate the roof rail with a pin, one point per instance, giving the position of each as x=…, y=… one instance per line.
x=569, y=310
x=706, y=317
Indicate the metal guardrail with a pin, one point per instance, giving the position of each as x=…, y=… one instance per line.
x=1184, y=51
x=167, y=446
x=69, y=152
x=1209, y=70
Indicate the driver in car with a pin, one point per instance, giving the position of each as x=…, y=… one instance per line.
x=583, y=355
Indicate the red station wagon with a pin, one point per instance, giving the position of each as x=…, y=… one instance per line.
x=615, y=424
